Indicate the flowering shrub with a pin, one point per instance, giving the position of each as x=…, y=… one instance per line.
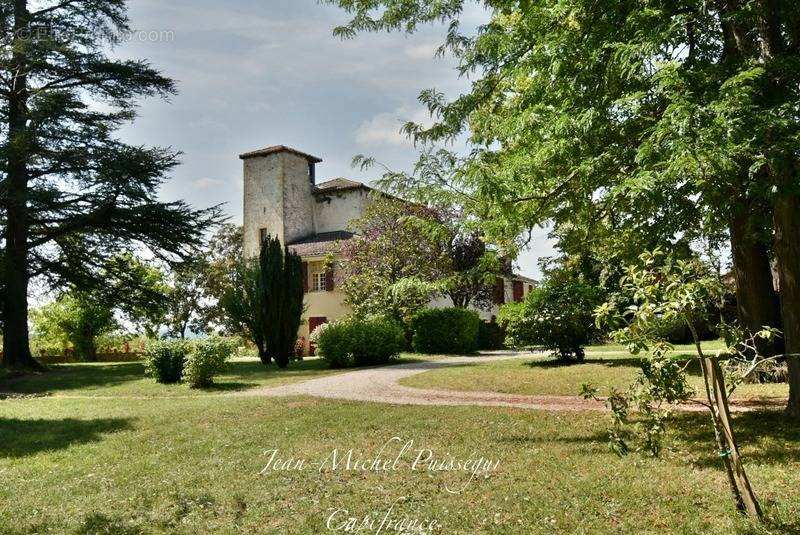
x=313, y=338
x=559, y=316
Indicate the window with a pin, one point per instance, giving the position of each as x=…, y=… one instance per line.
x=263, y=234
x=318, y=281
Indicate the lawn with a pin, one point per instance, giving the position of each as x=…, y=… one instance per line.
x=191, y=465
x=605, y=366
x=135, y=457
x=128, y=379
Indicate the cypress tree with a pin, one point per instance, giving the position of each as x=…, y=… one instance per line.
x=281, y=300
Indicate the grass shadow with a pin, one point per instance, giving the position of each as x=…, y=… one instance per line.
x=21, y=438
x=632, y=362
x=74, y=377
x=764, y=437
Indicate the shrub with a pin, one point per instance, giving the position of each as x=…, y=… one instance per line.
x=491, y=335
x=559, y=316
x=164, y=360
x=445, y=330
x=359, y=342
x=207, y=359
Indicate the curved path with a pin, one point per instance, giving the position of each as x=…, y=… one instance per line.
x=380, y=384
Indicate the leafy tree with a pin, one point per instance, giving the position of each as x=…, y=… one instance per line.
x=72, y=195
x=390, y=268
x=74, y=319
x=185, y=297
x=242, y=306
x=669, y=120
x=223, y=273
x=281, y=300
x=137, y=289
x=663, y=289
x=473, y=270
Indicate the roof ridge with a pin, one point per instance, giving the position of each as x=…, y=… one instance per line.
x=276, y=149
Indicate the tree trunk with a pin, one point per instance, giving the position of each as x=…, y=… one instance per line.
x=16, y=343
x=786, y=214
x=262, y=353
x=717, y=396
x=756, y=300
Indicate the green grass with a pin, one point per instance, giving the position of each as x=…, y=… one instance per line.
x=125, y=455
x=605, y=367
x=128, y=379
x=191, y=465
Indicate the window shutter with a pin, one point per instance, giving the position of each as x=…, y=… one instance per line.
x=500, y=291
x=329, y=279
x=305, y=277
x=519, y=291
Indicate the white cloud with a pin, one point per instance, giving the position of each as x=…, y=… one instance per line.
x=206, y=183
x=384, y=128
x=423, y=51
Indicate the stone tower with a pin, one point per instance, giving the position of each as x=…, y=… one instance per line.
x=278, y=196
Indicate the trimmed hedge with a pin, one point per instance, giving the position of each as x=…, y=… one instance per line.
x=356, y=342
x=445, y=331
x=491, y=336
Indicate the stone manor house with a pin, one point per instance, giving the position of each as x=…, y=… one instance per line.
x=283, y=198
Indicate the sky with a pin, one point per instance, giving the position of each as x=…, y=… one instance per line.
x=253, y=73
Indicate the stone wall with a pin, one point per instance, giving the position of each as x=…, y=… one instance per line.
x=335, y=211
x=277, y=197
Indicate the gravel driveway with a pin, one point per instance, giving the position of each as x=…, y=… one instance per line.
x=380, y=384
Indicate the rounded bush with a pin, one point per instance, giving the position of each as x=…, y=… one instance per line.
x=558, y=316
x=164, y=360
x=207, y=359
x=445, y=331
x=360, y=342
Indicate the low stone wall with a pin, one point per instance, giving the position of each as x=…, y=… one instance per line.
x=101, y=357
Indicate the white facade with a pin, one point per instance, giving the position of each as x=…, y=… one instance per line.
x=282, y=198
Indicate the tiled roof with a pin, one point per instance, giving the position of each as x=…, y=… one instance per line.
x=276, y=149
x=319, y=244
x=339, y=184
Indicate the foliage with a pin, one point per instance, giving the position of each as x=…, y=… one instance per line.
x=445, y=331
x=223, y=273
x=558, y=315
x=72, y=194
x=628, y=125
x=186, y=297
x=391, y=267
x=206, y=359
x=137, y=289
x=241, y=303
x=74, y=319
x=280, y=299
x=164, y=360
x=360, y=342
x=491, y=335
x=661, y=289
